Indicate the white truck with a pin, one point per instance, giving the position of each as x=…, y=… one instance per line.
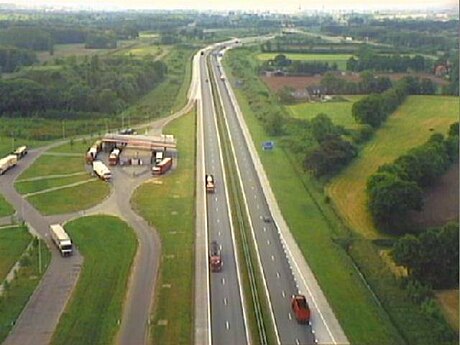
x=20, y=152
x=7, y=163
x=101, y=170
x=61, y=239
x=158, y=157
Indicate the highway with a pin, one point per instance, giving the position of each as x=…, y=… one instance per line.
x=279, y=278
x=228, y=319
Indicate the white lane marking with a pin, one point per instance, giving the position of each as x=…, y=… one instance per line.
x=225, y=301
x=220, y=247
x=216, y=198
x=223, y=281
x=268, y=242
x=255, y=196
x=218, y=220
x=258, y=206
x=227, y=325
x=265, y=229
x=218, y=233
x=297, y=342
x=283, y=293
x=277, y=275
x=273, y=258
x=217, y=209
x=289, y=316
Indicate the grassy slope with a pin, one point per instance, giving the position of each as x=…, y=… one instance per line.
x=362, y=320
x=339, y=112
x=108, y=246
x=13, y=242
x=171, y=211
x=409, y=126
x=21, y=288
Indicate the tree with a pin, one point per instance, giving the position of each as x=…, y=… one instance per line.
x=369, y=110
x=322, y=127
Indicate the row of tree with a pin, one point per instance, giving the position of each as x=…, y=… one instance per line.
x=11, y=58
x=297, y=67
x=397, y=188
x=96, y=85
x=388, y=63
x=431, y=257
x=375, y=108
x=368, y=83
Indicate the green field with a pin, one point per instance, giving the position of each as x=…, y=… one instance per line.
x=5, y=207
x=13, y=242
x=21, y=288
x=338, y=112
x=410, y=126
x=169, y=206
x=316, y=229
x=108, y=246
x=54, y=165
x=339, y=59
x=74, y=146
x=25, y=187
x=70, y=199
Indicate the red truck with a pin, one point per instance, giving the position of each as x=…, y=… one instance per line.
x=215, y=259
x=114, y=157
x=162, y=167
x=300, y=308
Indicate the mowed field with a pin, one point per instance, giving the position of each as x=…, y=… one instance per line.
x=339, y=59
x=338, y=112
x=411, y=125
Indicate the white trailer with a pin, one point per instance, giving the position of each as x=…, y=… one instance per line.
x=101, y=170
x=7, y=163
x=61, y=239
x=20, y=152
x=158, y=157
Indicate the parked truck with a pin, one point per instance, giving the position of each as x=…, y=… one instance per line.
x=61, y=239
x=210, y=185
x=101, y=170
x=92, y=152
x=7, y=163
x=114, y=156
x=162, y=167
x=20, y=152
x=158, y=157
x=215, y=258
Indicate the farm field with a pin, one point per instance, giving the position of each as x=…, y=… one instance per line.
x=449, y=300
x=339, y=112
x=92, y=315
x=13, y=242
x=410, y=126
x=172, y=212
x=339, y=59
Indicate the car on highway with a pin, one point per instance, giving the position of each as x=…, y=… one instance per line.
x=300, y=308
x=266, y=219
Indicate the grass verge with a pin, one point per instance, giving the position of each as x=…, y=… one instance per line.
x=13, y=242
x=168, y=203
x=54, y=165
x=92, y=315
x=25, y=187
x=411, y=125
x=22, y=286
x=5, y=207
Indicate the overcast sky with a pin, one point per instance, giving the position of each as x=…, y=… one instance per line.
x=277, y=5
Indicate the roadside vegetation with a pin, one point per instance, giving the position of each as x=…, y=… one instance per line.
x=17, y=293
x=5, y=207
x=108, y=246
x=172, y=212
x=13, y=242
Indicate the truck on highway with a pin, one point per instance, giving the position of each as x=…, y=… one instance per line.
x=20, y=152
x=114, y=156
x=101, y=170
x=162, y=167
x=222, y=78
x=61, y=239
x=300, y=308
x=210, y=184
x=215, y=258
x=7, y=163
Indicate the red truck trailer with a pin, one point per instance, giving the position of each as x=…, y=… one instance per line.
x=210, y=184
x=162, y=167
x=215, y=258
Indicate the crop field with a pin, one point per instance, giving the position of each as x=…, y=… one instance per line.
x=410, y=126
x=449, y=301
x=13, y=242
x=168, y=204
x=339, y=112
x=314, y=227
x=93, y=313
x=339, y=59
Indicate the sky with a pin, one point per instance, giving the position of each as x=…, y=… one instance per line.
x=273, y=5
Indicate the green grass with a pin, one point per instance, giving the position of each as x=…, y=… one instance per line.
x=74, y=146
x=169, y=206
x=315, y=228
x=410, y=126
x=70, y=199
x=13, y=242
x=339, y=59
x=25, y=187
x=22, y=287
x=5, y=207
x=338, y=112
x=54, y=165
x=108, y=246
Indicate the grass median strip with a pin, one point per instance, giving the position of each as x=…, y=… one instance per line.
x=92, y=316
x=167, y=202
